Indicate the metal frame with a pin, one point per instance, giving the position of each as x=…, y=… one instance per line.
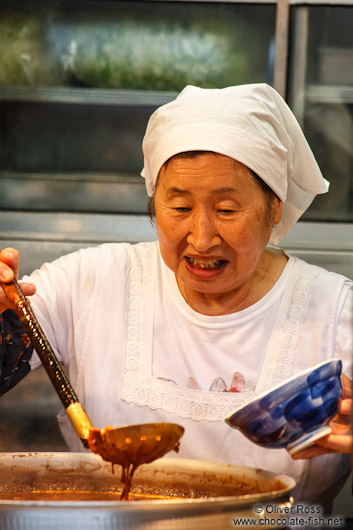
x=322, y=2
x=281, y=47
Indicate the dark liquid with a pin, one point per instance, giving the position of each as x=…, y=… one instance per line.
x=69, y=495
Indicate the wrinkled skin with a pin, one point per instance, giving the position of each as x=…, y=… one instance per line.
x=210, y=209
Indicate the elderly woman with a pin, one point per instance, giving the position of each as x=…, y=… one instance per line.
x=188, y=328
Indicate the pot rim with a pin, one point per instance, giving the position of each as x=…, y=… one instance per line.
x=200, y=505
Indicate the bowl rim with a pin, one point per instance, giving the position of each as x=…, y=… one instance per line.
x=279, y=385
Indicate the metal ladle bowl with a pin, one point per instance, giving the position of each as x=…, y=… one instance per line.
x=128, y=446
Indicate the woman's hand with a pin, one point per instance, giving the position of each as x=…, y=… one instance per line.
x=341, y=439
x=9, y=266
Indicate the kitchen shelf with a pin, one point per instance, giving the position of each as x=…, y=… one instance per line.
x=86, y=96
x=329, y=94
x=96, y=96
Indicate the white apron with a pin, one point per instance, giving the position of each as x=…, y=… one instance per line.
x=126, y=392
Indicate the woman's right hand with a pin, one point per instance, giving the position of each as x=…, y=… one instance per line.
x=9, y=266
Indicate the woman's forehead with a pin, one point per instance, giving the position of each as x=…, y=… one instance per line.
x=205, y=164
x=215, y=173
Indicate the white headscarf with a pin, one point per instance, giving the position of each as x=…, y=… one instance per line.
x=249, y=123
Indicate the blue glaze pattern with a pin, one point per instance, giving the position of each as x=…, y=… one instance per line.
x=293, y=410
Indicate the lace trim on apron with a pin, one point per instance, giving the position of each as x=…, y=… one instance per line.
x=140, y=388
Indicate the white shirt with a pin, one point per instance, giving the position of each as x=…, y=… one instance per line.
x=211, y=346
x=115, y=317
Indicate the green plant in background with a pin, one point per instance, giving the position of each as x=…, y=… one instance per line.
x=132, y=45
x=157, y=56
x=26, y=55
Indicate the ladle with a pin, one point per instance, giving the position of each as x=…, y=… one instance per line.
x=128, y=446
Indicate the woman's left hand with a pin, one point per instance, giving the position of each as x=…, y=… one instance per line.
x=341, y=439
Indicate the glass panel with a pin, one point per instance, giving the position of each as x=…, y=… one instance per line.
x=78, y=81
x=321, y=95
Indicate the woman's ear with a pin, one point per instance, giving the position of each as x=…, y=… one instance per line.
x=277, y=209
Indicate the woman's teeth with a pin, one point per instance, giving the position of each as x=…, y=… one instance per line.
x=205, y=264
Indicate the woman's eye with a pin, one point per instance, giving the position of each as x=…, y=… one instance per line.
x=182, y=209
x=226, y=211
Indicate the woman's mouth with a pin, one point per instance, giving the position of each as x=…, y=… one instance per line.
x=206, y=264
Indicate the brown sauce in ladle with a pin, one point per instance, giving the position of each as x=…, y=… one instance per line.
x=128, y=446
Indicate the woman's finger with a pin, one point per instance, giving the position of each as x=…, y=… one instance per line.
x=9, y=264
x=333, y=443
x=346, y=407
x=346, y=387
x=27, y=288
x=311, y=452
x=340, y=443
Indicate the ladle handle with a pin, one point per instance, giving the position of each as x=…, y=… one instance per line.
x=62, y=385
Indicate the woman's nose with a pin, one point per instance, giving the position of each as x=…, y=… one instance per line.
x=203, y=233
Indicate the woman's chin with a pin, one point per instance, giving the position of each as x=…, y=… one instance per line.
x=203, y=281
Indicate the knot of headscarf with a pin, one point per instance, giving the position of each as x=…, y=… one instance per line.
x=249, y=123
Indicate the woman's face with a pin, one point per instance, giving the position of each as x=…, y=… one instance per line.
x=213, y=224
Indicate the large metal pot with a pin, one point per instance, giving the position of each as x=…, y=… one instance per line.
x=212, y=494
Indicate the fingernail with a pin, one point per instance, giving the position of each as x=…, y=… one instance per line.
x=6, y=276
x=9, y=254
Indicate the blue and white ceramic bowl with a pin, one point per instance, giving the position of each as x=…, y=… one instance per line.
x=294, y=414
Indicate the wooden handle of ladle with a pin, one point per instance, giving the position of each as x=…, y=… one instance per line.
x=62, y=385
